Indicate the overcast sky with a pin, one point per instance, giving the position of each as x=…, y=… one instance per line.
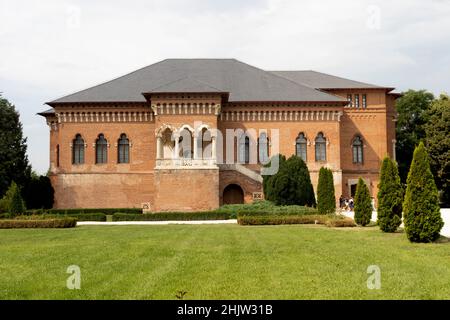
x=51, y=48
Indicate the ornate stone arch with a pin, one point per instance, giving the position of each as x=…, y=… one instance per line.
x=162, y=128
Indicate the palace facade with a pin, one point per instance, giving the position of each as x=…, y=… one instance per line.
x=191, y=134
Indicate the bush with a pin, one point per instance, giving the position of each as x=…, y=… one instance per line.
x=390, y=197
x=12, y=201
x=261, y=208
x=363, y=204
x=109, y=211
x=168, y=216
x=79, y=217
x=422, y=217
x=326, y=200
x=49, y=223
x=328, y=220
x=340, y=222
x=291, y=185
x=275, y=220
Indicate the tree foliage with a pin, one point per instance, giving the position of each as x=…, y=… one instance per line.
x=38, y=192
x=291, y=184
x=13, y=159
x=412, y=110
x=422, y=217
x=437, y=141
x=363, y=203
x=390, y=197
x=12, y=201
x=326, y=200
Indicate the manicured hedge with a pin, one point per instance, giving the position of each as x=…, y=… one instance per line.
x=340, y=222
x=328, y=220
x=48, y=223
x=167, y=216
x=262, y=208
x=78, y=217
x=107, y=211
x=284, y=219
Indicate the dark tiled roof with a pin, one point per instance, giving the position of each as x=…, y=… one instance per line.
x=242, y=81
x=47, y=112
x=320, y=80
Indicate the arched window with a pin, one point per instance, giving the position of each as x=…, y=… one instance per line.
x=186, y=144
x=263, y=148
x=123, y=149
x=357, y=146
x=321, y=147
x=101, y=149
x=300, y=146
x=78, y=150
x=244, y=149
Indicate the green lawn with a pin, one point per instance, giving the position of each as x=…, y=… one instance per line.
x=220, y=262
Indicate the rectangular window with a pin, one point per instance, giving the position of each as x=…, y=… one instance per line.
x=364, y=101
x=57, y=155
x=349, y=99
x=357, y=100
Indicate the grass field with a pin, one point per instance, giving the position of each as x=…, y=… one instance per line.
x=220, y=262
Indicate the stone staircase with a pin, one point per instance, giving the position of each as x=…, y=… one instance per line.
x=256, y=176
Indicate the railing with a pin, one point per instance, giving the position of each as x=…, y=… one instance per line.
x=185, y=163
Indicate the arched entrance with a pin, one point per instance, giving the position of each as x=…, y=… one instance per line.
x=233, y=194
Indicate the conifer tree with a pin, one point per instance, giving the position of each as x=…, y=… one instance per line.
x=422, y=217
x=390, y=197
x=326, y=200
x=363, y=204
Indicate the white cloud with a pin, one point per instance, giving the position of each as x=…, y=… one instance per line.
x=51, y=48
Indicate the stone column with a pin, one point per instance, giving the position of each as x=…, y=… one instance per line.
x=159, y=154
x=213, y=149
x=177, y=147
x=196, y=147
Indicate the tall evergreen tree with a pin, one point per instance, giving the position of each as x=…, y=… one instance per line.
x=412, y=108
x=363, y=204
x=326, y=200
x=13, y=159
x=291, y=184
x=422, y=217
x=437, y=141
x=390, y=197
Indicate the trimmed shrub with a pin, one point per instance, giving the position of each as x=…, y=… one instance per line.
x=264, y=207
x=109, y=211
x=343, y=222
x=363, y=204
x=49, y=223
x=422, y=217
x=390, y=197
x=79, y=217
x=275, y=220
x=326, y=200
x=168, y=216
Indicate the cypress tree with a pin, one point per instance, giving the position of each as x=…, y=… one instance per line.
x=291, y=184
x=422, y=217
x=363, y=204
x=326, y=200
x=390, y=197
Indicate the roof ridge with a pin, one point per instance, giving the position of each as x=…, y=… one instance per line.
x=284, y=78
x=183, y=78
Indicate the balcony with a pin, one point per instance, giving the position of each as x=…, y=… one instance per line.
x=186, y=163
